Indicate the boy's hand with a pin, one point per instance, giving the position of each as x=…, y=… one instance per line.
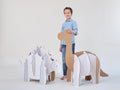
x=70, y=32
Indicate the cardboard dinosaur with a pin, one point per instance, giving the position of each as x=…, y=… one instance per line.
x=71, y=61
x=39, y=65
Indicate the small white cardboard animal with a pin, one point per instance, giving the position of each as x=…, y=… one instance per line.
x=39, y=66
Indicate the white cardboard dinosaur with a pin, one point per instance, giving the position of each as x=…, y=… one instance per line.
x=39, y=65
x=82, y=63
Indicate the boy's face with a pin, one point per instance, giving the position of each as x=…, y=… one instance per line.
x=67, y=14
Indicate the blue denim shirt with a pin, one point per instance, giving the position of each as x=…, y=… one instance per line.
x=72, y=25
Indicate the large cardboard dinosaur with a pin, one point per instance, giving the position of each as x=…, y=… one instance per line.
x=70, y=57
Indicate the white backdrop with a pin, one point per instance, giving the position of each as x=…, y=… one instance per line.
x=26, y=24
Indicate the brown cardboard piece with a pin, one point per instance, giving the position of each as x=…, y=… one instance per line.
x=70, y=58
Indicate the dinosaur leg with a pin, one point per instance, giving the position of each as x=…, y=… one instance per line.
x=97, y=70
x=88, y=78
x=53, y=75
x=68, y=75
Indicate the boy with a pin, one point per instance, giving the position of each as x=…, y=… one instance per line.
x=72, y=26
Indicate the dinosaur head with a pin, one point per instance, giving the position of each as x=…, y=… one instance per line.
x=65, y=36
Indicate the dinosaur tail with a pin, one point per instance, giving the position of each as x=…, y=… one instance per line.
x=103, y=74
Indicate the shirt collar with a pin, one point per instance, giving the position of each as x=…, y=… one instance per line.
x=68, y=20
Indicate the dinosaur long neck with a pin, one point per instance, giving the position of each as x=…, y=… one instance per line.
x=69, y=56
x=69, y=49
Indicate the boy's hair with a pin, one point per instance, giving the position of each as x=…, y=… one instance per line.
x=69, y=9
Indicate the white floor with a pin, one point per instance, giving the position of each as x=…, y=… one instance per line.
x=11, y=78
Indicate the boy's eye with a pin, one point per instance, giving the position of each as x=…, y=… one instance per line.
x=67, y=13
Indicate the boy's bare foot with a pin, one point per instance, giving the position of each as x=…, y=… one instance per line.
x=63, y=78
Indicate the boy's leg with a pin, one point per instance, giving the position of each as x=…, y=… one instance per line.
x=73, y=48
x=64, y=61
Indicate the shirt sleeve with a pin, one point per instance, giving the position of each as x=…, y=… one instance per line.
x=75, y=28
x=62, y=28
